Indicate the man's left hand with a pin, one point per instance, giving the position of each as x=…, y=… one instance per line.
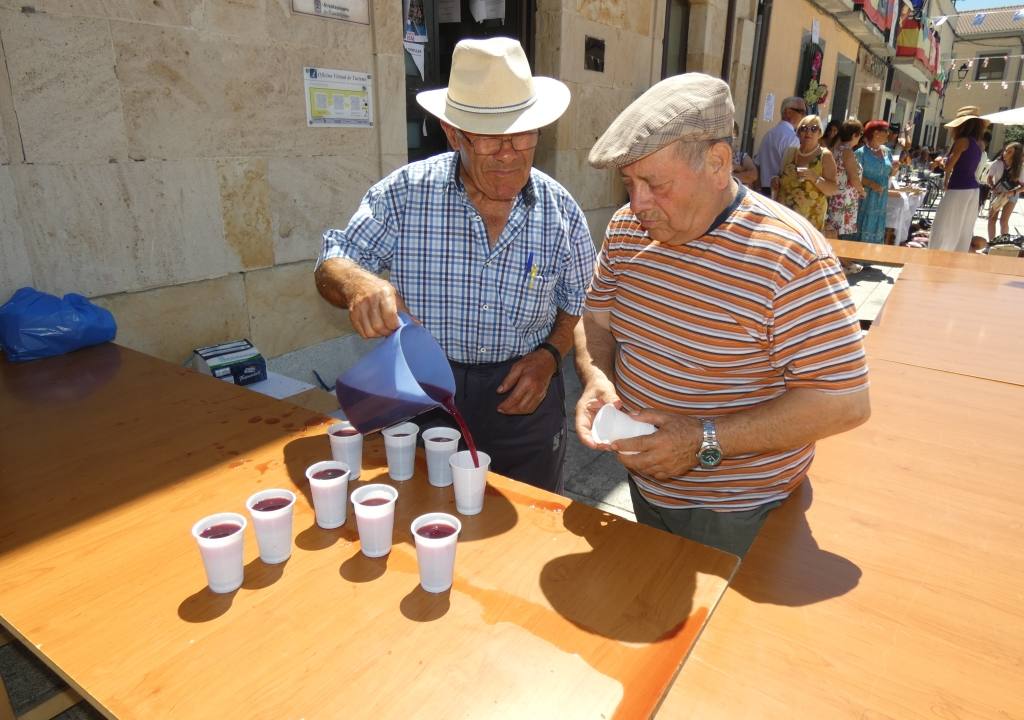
x=669, y=452
x=527, y=383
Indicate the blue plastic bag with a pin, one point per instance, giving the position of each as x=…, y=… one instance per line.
x=36, y=325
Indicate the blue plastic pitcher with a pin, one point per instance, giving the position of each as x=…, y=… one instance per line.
x=405, y=375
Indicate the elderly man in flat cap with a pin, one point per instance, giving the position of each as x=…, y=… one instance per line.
x=717, y=315
x=491, y=255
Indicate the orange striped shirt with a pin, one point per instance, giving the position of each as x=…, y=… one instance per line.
x=757, y=305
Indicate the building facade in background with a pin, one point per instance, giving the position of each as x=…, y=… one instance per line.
x=156, y=156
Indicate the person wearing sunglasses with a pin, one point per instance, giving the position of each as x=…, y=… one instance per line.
x=808, y=177
x=492, y=256
x=779, y=139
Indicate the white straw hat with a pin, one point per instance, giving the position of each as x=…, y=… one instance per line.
x=491, y=91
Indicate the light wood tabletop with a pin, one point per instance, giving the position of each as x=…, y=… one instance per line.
x=900, y=255
x=956, y=320
x=558, y=610
x=890, y=586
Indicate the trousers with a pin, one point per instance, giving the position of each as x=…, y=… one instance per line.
x=733, y=532
x=529, y=448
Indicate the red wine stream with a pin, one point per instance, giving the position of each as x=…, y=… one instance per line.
x=449, y=405
x=448, y=402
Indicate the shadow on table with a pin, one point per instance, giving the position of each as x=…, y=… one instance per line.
x=636, y=584
x=207, y=605
x=785, y=566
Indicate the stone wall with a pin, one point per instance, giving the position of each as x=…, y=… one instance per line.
x=633, y=32
x=155, y=157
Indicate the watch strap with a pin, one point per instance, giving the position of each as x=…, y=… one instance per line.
x=554, y=353
x=710, y=430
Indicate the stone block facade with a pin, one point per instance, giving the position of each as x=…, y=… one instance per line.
x=155, y=157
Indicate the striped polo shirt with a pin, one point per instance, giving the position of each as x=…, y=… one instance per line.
x=732, y=319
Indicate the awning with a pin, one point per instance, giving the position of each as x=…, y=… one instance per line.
x=1006, y=117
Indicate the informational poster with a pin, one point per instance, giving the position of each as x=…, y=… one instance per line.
x=338, y=98
x=449, y=11
x=415, y=21
x=415, y=51
x=487, y=10
x=815, y=31
x=352, y=10
x=769, y=107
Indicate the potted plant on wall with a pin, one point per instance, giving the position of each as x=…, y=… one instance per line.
x=809, y=85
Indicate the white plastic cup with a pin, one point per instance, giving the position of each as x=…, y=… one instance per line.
x=611, y=424
x=375, y=522
x=330, y=494
x=347, y=448
x=400, y=447
x=469, y=481
x=222, y=556
x=436, y=554
x=439, y=443
x=273, y=527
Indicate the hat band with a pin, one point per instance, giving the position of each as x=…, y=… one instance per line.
x=490, y=110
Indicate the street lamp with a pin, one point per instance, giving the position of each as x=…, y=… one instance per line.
x=962, y=71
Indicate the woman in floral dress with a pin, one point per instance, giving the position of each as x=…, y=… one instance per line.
x=842, y=207
x=808, y=176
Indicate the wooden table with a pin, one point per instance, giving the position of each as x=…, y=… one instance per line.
x=900, y=255
x=890, y=587
x=109, y=456
x=955, y=320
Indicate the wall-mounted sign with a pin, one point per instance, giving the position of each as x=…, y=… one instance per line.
x=338, y=98
x=352, y=10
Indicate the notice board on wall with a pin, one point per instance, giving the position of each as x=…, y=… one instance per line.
x=351, y=10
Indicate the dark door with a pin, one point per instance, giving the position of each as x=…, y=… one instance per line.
x=423, y=130
x=677, y=26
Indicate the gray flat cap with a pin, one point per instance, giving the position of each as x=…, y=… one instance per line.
x=691, y=106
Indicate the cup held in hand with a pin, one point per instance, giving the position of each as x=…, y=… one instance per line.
x=611, y=424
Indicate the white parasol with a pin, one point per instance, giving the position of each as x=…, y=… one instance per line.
x=1006, y=117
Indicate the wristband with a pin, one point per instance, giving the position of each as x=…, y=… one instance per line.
x=554, y=353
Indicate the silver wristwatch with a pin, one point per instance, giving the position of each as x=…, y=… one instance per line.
x=710, y=453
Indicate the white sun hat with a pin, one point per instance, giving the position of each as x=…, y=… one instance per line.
x=491, y=91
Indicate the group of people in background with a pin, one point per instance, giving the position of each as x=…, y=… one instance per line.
x=838, y=176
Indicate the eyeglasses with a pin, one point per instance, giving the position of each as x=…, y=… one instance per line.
x=798, y=110
x=809, y=129
x=492, y=144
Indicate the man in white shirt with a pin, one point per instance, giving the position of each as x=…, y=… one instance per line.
x=778, y=139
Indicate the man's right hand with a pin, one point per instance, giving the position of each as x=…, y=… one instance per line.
x=373, y=305
x=597, y=393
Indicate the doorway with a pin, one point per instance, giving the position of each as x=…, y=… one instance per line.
x=674, y=48
x=845, y=69
x=428, y=58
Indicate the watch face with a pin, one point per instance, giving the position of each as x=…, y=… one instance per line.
x=709, y=456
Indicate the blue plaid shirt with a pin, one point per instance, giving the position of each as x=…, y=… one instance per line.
x=482, y=305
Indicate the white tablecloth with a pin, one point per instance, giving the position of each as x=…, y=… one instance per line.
x=900, y=210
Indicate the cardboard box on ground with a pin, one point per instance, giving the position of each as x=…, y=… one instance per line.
x=237, y=361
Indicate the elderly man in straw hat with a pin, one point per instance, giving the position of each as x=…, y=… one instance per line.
x=953, y=227
x=717, y=315
x=490, y=254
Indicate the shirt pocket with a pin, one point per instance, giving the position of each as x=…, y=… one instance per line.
x=532, y=306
